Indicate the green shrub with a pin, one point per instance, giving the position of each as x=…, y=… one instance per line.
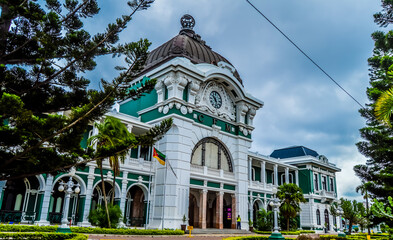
x=264, y=220
x=26, y=228
x=120, y=231
x=306, y=231
x=328, y=237
x=283, y=232
x=98, y=216
x=125, y=231
x=253, y=237
x=43, y=236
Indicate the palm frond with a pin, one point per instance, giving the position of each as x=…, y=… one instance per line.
x=384, y=107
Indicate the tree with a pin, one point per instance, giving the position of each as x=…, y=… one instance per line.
x=44, y=51
x=377, y=145
x=264, y=220
x=352, y=210
x=291, y=196
x=379, y=209
x=363, y=190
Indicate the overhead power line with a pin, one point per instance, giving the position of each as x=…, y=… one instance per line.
x=305, y=54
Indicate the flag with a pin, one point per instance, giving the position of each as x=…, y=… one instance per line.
x=159, y=156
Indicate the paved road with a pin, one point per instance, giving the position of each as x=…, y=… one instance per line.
x=161, y=237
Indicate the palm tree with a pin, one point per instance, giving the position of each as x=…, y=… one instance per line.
x=111, y=134
x=363, y=190
x=384, y=107
x=291, y=196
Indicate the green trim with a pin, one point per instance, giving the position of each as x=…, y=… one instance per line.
x=196, y=182
x=229, y=187
x=317, y=201
x=213, y=184
x=200, y=118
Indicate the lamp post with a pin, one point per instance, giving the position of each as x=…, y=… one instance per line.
x=68, y=188
x=340, y=213
x=275, y=204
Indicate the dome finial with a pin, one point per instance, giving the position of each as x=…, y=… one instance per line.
x=187, y=22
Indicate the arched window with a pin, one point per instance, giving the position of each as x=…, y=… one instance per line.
x=318, y=217
x=283, y=178
x=211, y=153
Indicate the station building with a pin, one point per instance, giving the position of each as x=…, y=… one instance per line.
x=213, y=177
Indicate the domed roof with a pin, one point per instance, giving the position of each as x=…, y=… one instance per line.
x=187, y=44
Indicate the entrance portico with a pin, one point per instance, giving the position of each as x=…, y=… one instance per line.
x=211, y=209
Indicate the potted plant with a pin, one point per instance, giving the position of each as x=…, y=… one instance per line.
x=250, y=226
x=183, y=226
x=326, y=230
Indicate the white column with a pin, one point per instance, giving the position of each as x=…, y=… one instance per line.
x=263, y=173
x=286, y=175
x=45, y=203
x=89, y=194
x=124, y=192
x=297, y=177
x=275, y=174
x=250, y=170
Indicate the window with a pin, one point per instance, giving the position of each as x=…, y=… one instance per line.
x=316, y=185
x=324, y=183
x=290, y=178
x=273, y=179
x=331, y=184
x=334, y=220
x=318, y=217
x=213, y=154
x=144, y=153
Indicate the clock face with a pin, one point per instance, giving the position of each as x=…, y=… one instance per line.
x=215, y=99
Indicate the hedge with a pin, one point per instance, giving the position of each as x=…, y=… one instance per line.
x=126, y=231
x=26, y=228
x=355, y=237
x=253, y=237
x=285, y=232
x=43, y=236
x=118, y=231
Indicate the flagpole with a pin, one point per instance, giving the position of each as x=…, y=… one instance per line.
x=163, y=206
x=149, y=188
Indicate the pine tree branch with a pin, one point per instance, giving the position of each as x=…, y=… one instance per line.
x=50, y=78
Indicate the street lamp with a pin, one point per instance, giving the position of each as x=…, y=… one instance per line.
x=68, y=190
x=340, y=213
x=275, y=204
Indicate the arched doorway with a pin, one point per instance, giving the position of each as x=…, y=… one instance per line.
x=20, y=200
x=98, y=196
x=193, y=211
x=56, y=204
x=136, y=207
x=255, y=208
x=227, y=211
x=327, y=220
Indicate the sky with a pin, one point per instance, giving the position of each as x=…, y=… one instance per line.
x=302, y=106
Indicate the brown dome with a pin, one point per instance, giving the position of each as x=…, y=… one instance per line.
x=189, y=45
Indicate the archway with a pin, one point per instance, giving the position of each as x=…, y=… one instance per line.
x=327, y=220
x=56, y=203
x=98, y=196
x=193, y=211
x=136, y=206
x=20, y=200
x=227, y=211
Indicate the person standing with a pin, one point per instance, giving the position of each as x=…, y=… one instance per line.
x=238, y=226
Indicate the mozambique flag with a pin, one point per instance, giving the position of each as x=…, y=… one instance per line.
x=159, y=156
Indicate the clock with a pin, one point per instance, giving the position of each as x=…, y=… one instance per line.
x=215, y=99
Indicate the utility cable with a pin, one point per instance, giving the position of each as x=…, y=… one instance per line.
x=309, y=58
